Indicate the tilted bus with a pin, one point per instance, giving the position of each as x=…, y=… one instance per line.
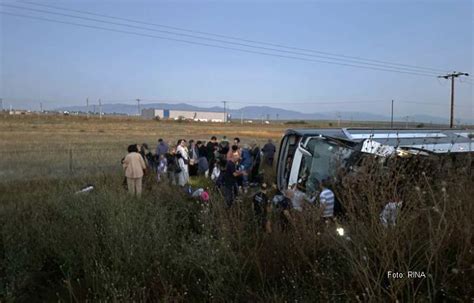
x=311, y=155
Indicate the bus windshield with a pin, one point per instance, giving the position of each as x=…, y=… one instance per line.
x=325, y=161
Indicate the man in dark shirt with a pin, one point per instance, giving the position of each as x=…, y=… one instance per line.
x=269, y=150
x=223, y=148
x=230, y=180
x=261, y=208
x=203, y=163
x=256, y=159
x=211, y=148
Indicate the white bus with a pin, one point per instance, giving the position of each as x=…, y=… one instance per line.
x=310, y=155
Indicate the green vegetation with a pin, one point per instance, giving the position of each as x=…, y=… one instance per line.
x=107, y=246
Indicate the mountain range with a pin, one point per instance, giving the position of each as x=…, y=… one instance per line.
x=261, y=112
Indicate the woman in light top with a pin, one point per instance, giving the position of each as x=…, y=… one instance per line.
x=134, y=165
x=183, y=161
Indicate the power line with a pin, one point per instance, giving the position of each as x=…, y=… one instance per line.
x=428, y=103
x=466, y=81
x=236, y=38
x=217, y=46
x=217, y=40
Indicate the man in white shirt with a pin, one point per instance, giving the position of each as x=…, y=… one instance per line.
x=326, y=199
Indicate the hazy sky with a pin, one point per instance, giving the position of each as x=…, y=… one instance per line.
x=63, y=64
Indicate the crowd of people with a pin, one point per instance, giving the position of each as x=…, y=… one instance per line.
x=234, y=168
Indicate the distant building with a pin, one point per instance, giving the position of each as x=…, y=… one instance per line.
x=19, y=112
x=153, y=113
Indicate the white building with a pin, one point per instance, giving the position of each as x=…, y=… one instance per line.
x=152, y=113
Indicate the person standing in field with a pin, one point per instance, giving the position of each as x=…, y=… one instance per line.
x=143, y=150
x=256, y=160
x=237, y=141
x=172, y=168
x=211, y=147
x=269, y=151
x=183, y=161
x=134, y=165
x=203, y=164
x=229, y=180
x=326, y=199
x=234, y=150
x=282, y=206
x=223, y=149
x=161, y=149
x=296, y=196
x=262, y=208
x=161, y=167
x=246, y=166
x=193, y=154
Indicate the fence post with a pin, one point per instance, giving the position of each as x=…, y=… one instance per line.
x=70, y=160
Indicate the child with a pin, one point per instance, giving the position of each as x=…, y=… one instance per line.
x=161, y=168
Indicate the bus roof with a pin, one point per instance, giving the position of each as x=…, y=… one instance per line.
x=431, y=140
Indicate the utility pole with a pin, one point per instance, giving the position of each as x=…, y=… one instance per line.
x=87, y=107
x=100, y=109
x=391, y=117
x=1, y=104
x=225, y=111
x=452, y=76
x=41, y=107
x=338, y=119
x=138, y=106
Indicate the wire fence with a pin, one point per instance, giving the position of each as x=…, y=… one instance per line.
x=53, y=163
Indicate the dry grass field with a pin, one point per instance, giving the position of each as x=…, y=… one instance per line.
x=42, y=146
x=39, y=146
